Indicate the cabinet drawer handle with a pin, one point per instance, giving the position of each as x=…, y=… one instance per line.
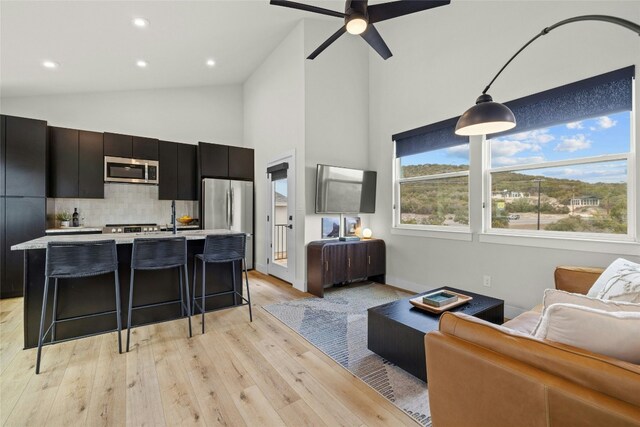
x=349, y=259
x=326, y=268
x=369, y=259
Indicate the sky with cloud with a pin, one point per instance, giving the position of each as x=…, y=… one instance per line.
x=587, y=138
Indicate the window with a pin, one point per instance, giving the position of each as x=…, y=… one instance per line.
x=568, y=171
x=432, y=179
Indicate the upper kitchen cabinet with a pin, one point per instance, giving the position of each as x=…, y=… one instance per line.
x=145, y=148
x=241, y=163
x=75, y=163
x=178, y=166
x=223, y=161
x=187, y=170
x=117, y=145
x=168, y=170
x=63, y=162
x=90, y=165
x=25, y=157
x=214, y=160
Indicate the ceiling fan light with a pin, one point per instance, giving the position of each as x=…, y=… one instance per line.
x=486, y=117
x=356, y=24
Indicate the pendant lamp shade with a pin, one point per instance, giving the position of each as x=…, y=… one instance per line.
x=485, y=117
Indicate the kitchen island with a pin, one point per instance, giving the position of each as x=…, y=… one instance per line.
x=94, y=295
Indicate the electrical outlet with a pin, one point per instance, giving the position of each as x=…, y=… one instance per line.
x=486, y=281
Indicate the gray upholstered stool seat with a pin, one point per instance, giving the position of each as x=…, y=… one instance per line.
x=225, y=248
x=73, y=260
x=158, y=254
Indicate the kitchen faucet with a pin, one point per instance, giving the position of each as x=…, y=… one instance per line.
x=173, y=216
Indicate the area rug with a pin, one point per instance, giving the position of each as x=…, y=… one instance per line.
x=337, y=325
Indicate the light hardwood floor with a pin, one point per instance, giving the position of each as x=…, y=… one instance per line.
x=236, y=374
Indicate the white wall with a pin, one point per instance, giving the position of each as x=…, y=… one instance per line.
x=274, y=124
x=186, y=115
x=442, y=60
x=336, y=109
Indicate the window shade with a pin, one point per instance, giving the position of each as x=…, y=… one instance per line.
x=593, y=97
x=278, y=171
x=428, y=138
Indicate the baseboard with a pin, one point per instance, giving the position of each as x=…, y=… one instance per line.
x=261, y=268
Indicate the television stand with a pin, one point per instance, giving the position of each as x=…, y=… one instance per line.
x=334, y=262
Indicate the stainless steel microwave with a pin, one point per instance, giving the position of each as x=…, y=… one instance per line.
x=134, y=171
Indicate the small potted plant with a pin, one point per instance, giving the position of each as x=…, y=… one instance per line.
x=64, y=217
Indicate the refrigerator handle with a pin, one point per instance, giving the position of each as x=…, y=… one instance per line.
x=228, y=208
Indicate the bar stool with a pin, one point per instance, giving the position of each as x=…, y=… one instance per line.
x=159, y=254
x=221, y=249
x=73, y=260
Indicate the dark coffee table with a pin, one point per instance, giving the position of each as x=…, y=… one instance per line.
x=396, y=330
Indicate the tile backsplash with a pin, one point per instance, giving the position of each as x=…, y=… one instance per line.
x=123, y=204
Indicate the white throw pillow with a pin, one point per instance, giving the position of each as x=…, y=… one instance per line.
x=614, y=334
x=556, y=296
x=619, y=282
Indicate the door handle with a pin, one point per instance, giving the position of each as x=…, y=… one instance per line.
x=326, y=264
x=349, y=260
x=369, y=259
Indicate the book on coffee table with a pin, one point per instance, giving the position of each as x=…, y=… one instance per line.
x=440, y=298
x=459, y=300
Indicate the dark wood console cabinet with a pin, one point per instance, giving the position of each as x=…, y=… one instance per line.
x=331, y=262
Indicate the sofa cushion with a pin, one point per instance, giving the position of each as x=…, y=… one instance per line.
x=619, y=282
x=525, y=323
x=614, y=334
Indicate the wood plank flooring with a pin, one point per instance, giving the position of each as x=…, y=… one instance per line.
x=236, y=374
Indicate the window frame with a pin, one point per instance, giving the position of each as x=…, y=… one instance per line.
x=396, y=205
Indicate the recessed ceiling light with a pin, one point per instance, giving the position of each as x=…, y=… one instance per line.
x=142, y=63
x=50, y=64
x=140, y=22
x=210, y=62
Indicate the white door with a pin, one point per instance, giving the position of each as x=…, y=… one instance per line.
x=280, y=218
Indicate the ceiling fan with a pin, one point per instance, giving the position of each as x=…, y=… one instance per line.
x=359, y=18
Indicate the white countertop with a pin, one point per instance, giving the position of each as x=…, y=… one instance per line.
x=122, y=238
x=81, y=229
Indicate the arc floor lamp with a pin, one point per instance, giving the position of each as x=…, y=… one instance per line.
x=488, y=116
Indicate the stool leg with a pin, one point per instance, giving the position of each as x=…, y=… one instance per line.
x=233, y=283
x=186, y=288
x=55, y=309
x=118, y=311
x=130, y=309
x=181, y=292
x=204, y=269
x=193, y=289
x=246, y=277
x=44, y=311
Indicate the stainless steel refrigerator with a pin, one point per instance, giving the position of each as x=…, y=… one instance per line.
x=228, y=204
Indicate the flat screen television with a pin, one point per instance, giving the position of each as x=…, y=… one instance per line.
x=343, y=190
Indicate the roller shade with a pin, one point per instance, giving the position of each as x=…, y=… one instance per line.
x=278, y=171
x=428, y=138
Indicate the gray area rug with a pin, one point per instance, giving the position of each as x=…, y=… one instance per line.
x=337, y=325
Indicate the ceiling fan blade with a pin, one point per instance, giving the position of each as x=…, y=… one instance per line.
x=373, y=37
x=307, y=7
x=384, y=11
x=327, y=42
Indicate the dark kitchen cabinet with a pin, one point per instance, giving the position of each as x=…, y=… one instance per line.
x=376, y=258
x=63, y=162
x=75, y=163
x=144, y=148
x=90, y=165
x=214, y=160
x=118, y=145
x=3, y=243
x=25, y=156
x=3, y=122
x=331, y=262
x=168, y=170
x=187, y=170
x=178, y=168
x=241, y=163
x=25, y=220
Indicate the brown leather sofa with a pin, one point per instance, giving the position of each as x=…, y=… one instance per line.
x=482, y=374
